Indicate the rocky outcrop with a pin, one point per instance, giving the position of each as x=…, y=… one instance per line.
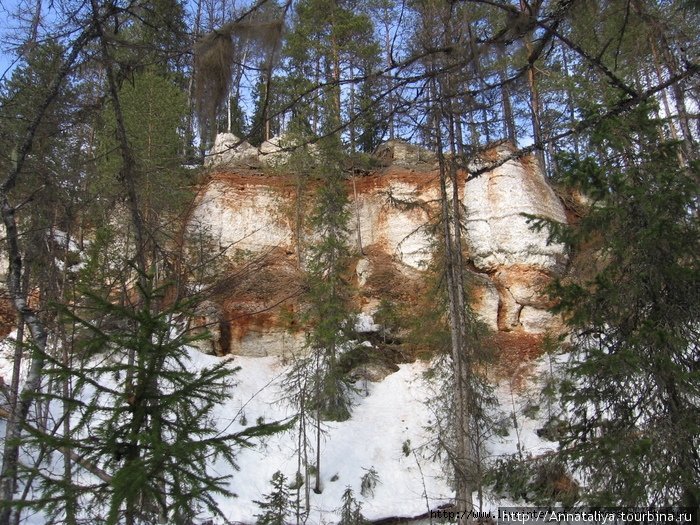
x=243, y=214
x=253, y=217
x=250, y=213
x=497, y=205
x=277, y=152
x=232, y=153
x=273, y=152
x=404, y=155
x=229, y=151
x=502, y=244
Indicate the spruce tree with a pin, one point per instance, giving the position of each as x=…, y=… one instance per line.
x=329, y=292
x=630, y=396
x=142, y=416
x=351, y=509
x=277, y=505
x=329, y=313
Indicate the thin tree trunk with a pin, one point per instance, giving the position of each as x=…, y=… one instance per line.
x=140, y=387
x=299, y=217
x=12, y=427
x=8, y=476
x=472, y=103
x=351, y=112
x=570, y=102
x=36, y=20
x=302, y=465
x=66, y=387
x=317, y=487
x=228, y=113
x=316, y=108
x=461, y=457
x=335, y=54
x=664, y=94
x=8, y=473
x=189, y=139
x=534, y=93
x=508, y=116
x=389, y=63
x=458, y=136
x=676, y=89
x=127, y=173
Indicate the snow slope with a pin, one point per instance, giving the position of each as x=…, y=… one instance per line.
x=392, y=412
x=385, y=416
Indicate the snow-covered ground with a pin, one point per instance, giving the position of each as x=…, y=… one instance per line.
x=393, y=412
x=386, y=415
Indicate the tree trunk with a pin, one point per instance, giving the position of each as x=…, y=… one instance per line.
x=508, y=116
x=128, y=172
x=671, y=64
x=317, y=486
x=190, y=134
x=534, y=93
x=357, y=217
x=12, y=430
x=570, y=100
x=386, y=19
x=36, y=20
x=28, y=317
x=460, y=456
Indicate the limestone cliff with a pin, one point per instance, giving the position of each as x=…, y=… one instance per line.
x=502, y=244
x=256, y=217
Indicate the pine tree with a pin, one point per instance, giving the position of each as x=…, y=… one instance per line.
x=371, y=117
x=329, y=42
x=153, y=109
x=262, y=126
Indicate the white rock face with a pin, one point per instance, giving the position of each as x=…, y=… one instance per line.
x=519, y=261
x=403, y=231
x=242, y=218
x=251, y=218
x=276, y=342
x=363, y=269
x=497, y=232
x=230, y=151
x=511, y=265
x=485, y=300
x=536, y=321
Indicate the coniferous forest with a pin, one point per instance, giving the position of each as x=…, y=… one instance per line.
x=110, y=112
